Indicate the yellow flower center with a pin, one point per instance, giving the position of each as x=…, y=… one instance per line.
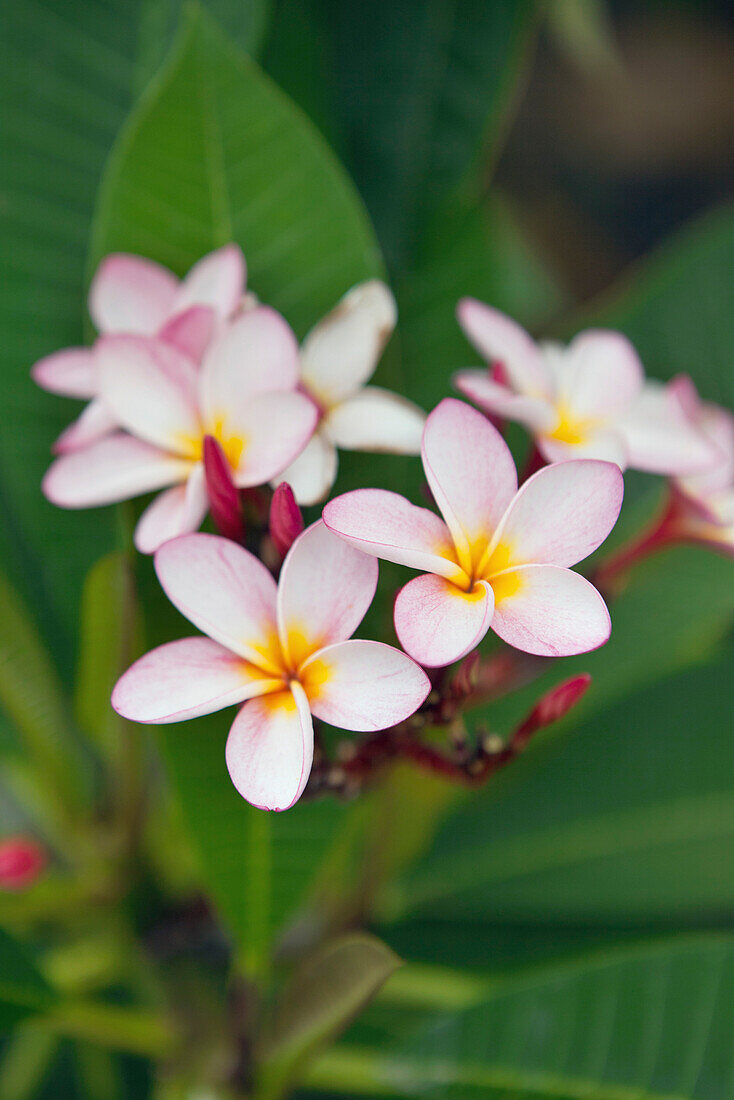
x=571, y=428
x=233, y=445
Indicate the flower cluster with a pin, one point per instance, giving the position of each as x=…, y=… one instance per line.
x=199, y=392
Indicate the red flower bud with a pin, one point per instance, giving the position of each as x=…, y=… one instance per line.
x=224, y=497
x=21, y=862
x=551, y=707
x=286, y=521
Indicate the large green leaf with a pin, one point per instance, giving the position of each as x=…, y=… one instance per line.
x=68, y=72
x=630, y=818
x=423, y=94
x=649, y=1021
x=23, y=990
x=215, y=152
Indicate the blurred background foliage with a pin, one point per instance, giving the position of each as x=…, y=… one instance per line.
x=567, y=931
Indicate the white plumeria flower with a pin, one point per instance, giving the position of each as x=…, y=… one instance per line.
x=500, y=557
x=133, y=295
x=282, y=651
x=704, y=503
x=337, y=357
x=588, y=400
x=243, y=395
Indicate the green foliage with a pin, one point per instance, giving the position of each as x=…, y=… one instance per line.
x=23, y=990
x=423, y=94
x=215, y=152
x=322, y=998
x=626, y=820
x=652, y=1020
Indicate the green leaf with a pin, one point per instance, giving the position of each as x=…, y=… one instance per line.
x=423, y=94
x=68, y=71
x=676, y=308
x=33, y=699
x=110, y=641
x=23, y=990
x=322, y=998
x=649, y=1021
x=26, y=1061
x=630, y=818
x=215, y=152
x=259, y=867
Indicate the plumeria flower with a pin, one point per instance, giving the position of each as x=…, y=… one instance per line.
x=338, y=356
x=500, y=557
x=243, y=396
x=587, y=400
x=133, y=295
x=283, y=651
x=704, y=503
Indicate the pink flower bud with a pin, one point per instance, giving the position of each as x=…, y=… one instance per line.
x=224, y=498
x=551, y=707
x=286, y=521
x=21, y=862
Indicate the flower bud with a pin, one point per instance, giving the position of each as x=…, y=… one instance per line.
x=286, y=521
x=21, y=862
x=224, y=498
x=551, y=707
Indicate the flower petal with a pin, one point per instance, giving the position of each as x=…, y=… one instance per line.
x=470, y=471
x=150, y=387
x=388, y=526
x=341, y=352
x=217, y=280
x=534, y=412
x=257, y=353
x=561, y=514
x=226, y=592
x=174, y=512
x=190, y=331
x=270, y=749
x=70, y=372
x=437, y=623
x=377, y=420
x=605, y=444
x=325, y=589
x=550, y=611
x=131, y=294
x=501, y=340
x=660, y=439
x=313, y=473
x=274, y=428
x=184, y=679
x=363, y=686
x=93, y=423
x=117, y=467
x=602, y=374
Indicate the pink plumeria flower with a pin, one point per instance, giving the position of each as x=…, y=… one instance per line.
x=243, y=395
x=500, y=557
x=338, y=357
x=704, y=502
x=135, y=296
x=587, y=400
x=283, y=651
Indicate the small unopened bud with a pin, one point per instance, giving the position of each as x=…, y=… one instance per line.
x=286, y=521
x=224, y=497
x=551, y=707
x=21, y=862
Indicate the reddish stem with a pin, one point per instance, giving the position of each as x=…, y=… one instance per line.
x=665, y=531
x=224, y=500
